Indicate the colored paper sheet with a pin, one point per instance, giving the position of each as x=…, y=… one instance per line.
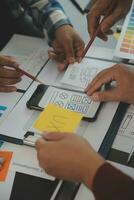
x=55, y=118
x=7, y=155
x=125, y=45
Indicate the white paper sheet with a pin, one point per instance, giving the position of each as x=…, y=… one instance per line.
x=79, y=75
x=124, y=140
x=8, y=100
x=125, y=169
x=74, y=101
x=24, y=160
x=20, y=115
x=97, y=130
x=6, y=186
x=30, y=53
x=50, y=75
x=101, y=52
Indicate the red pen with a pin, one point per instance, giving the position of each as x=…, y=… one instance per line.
x=28, y=75
x=95, y=33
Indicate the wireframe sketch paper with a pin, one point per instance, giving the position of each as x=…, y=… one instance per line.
x=79, y=75
x=71, y=100
x=30, y=53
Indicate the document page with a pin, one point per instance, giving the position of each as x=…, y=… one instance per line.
x=30, y=53
x=124, y=140
x=71, y=100
x=81, y=74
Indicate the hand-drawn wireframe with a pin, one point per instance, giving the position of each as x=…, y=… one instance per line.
x=127, y=126
x=73, y=74
x=72, y=100
x=63, y=95
x=87, y=74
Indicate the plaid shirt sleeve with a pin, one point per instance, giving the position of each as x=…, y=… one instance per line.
x=48, y=15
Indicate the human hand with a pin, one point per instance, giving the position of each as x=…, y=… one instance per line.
x=100, y=8
x=123, y=91
x=67, y=46
x=8, y=77
x=68, y=157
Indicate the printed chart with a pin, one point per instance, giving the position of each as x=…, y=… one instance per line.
x=125, y=45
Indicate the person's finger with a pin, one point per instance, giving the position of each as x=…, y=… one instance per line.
x=54, y=136
x=111, y=19
x=9, y=73
x=63, y=65
x=5, y=61
x=55, y=56
x=93, y=20
x=9, y=81
x=96, y=78
x=105, y=78
x=107, y=95
x=40, y=144
x=79, y=51
x=7, y=88
x=69, y=51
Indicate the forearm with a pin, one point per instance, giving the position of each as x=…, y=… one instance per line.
x=47, y=15
x=110, y=184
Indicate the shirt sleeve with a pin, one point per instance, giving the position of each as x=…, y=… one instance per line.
x=48, y=15
x=111, y=184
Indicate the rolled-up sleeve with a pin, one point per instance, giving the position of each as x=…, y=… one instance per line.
x=111, y=184
x=48, y=15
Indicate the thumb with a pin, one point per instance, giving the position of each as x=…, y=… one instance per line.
x=108, y=95
x=110, y=20
x=69, y=51
x=53, y=136
x=6, y=61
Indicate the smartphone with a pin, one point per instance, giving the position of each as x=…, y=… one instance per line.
x=70, y=99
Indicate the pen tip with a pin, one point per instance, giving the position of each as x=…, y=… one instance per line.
x=40, y=81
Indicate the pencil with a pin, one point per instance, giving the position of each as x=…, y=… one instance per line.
x=28, y=75
x=95, y=33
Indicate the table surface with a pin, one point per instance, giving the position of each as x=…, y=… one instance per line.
x=22, y=181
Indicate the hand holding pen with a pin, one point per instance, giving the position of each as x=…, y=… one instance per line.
x=8, y=75
x=118, y=9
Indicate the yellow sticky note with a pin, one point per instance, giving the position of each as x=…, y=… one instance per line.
x=55, y=118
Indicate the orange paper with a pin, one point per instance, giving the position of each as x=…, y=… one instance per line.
x=7, y=155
